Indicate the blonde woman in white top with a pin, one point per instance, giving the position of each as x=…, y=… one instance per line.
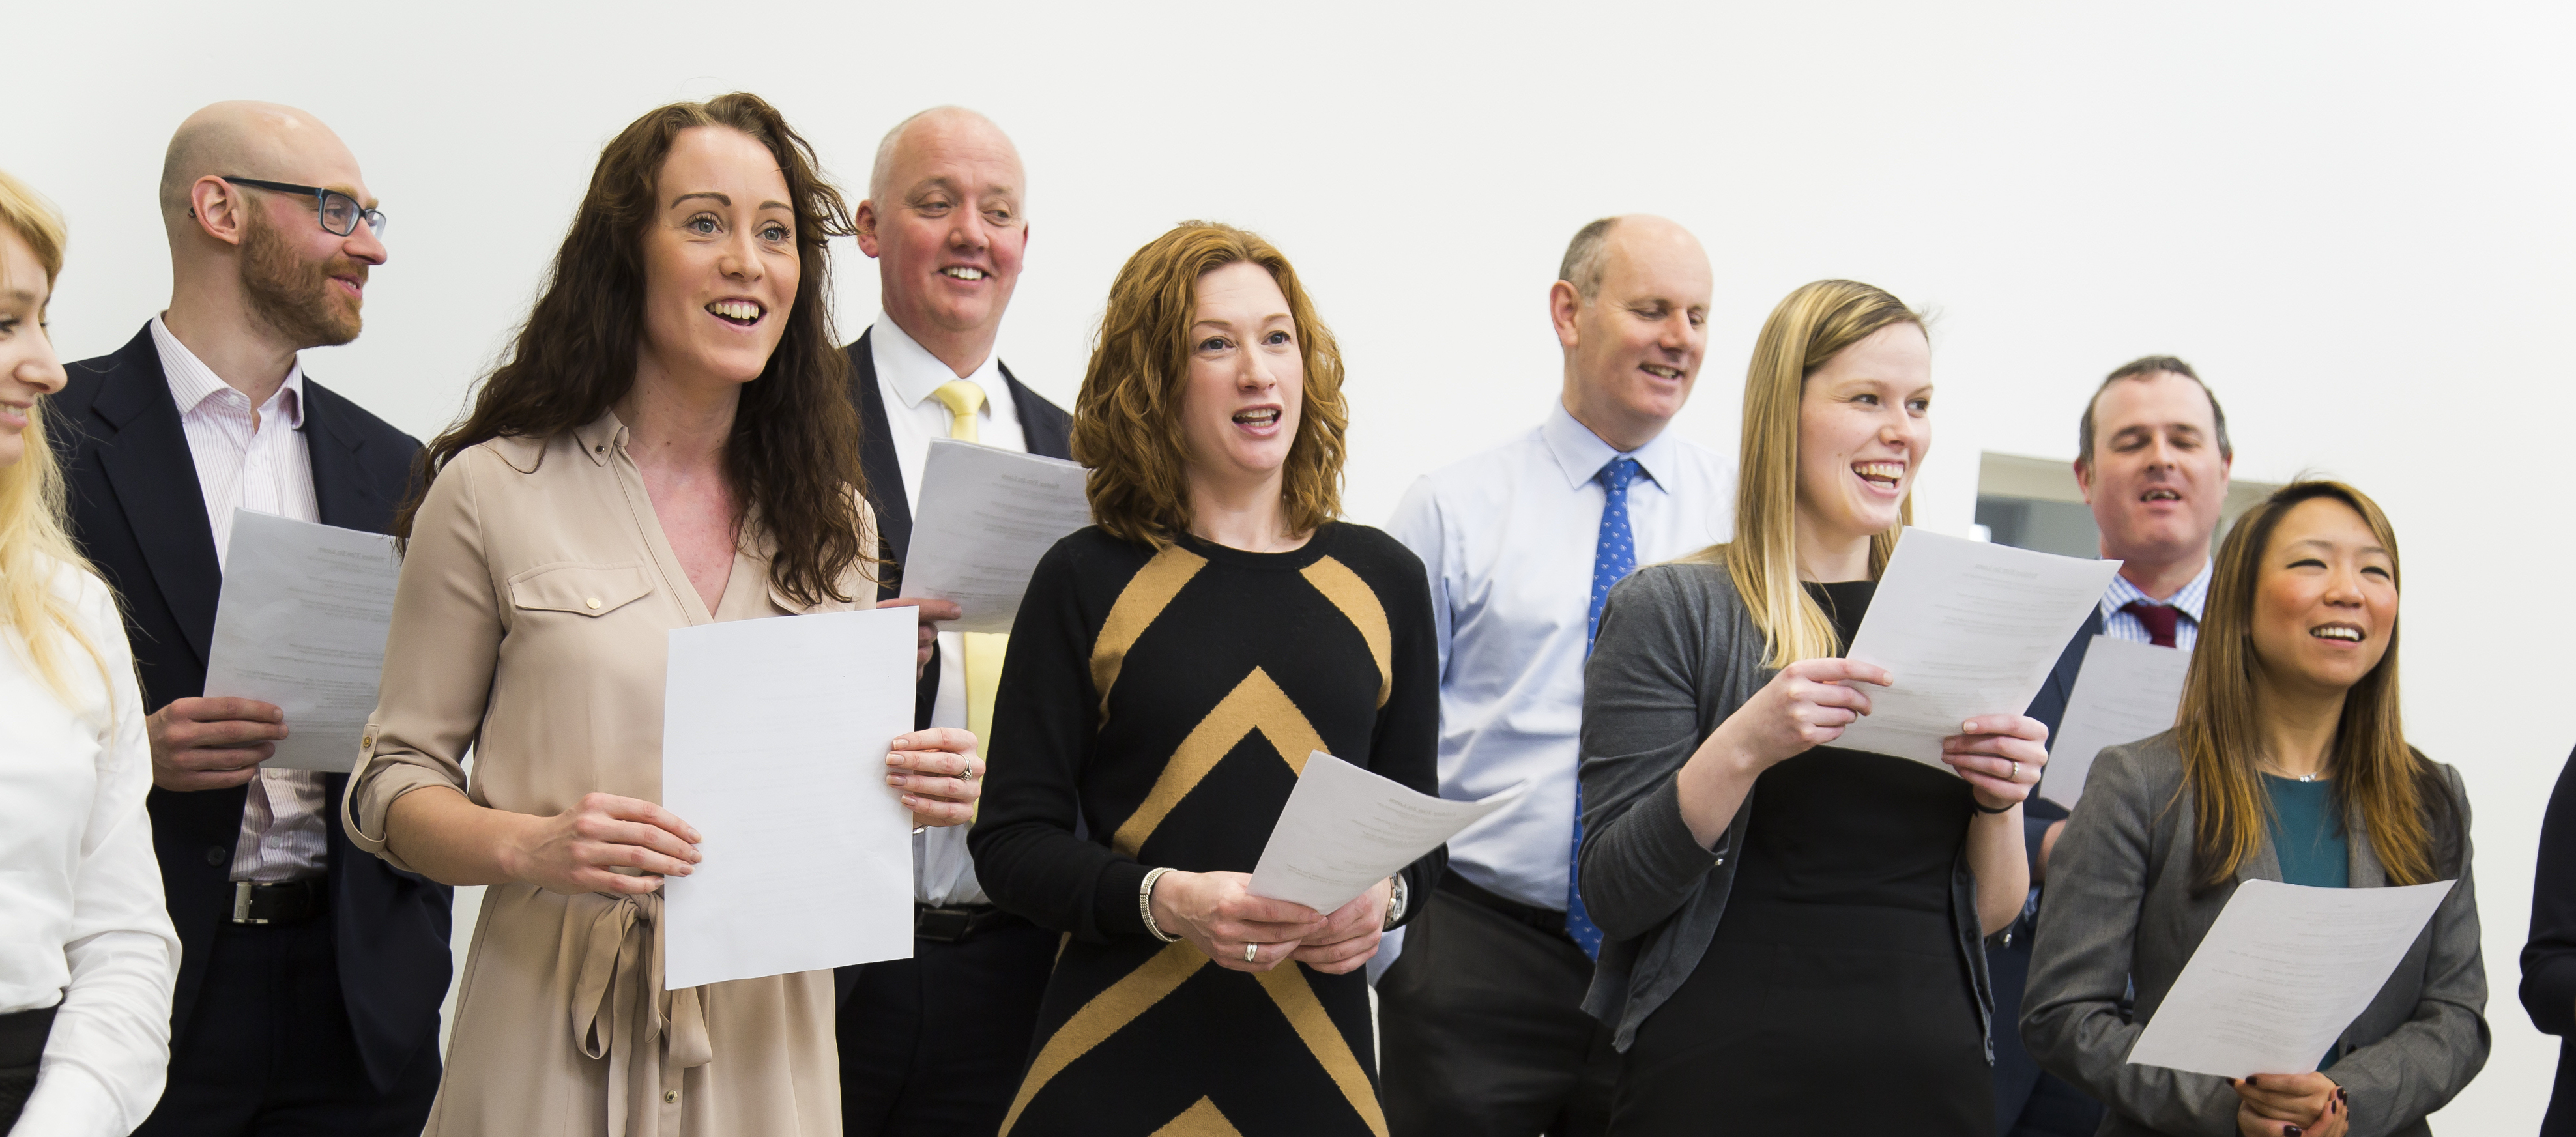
x=87, y=954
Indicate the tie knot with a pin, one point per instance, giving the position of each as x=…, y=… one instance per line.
x=962, y=399
x=2159, y=620
x=1617, y=473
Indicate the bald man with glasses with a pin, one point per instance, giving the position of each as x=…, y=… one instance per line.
x=311, y=975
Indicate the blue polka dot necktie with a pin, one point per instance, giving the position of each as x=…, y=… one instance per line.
x=1614, y=555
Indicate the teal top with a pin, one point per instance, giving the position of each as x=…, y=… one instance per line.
x=2307, y=832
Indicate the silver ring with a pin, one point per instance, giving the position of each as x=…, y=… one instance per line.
x=2016, y=773
x=1249, y=951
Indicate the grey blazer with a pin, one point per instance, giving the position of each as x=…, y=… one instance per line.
x=2120, y=912
x=1676, y=654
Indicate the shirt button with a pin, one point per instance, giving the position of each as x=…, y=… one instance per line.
x=215, y=857
x=593, y=602
x=670, y=1096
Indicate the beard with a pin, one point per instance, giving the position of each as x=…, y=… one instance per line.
x=295, y=296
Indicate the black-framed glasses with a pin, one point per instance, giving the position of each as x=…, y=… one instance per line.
x=340, y=212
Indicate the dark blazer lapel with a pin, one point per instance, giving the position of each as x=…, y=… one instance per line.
x=148, y=463
x=877, y=461
x=1044, y=427
x=340, y=488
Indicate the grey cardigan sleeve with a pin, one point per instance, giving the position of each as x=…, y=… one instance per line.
x=1642, y=719
x=2396, y=1081
x=2081, y=957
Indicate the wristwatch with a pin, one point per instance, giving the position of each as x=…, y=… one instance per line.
x=1394, y=905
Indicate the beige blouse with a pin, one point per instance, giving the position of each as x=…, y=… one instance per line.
x=531, y=626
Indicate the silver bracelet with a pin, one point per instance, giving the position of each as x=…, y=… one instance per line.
x=1395, y=901
x=1145, y=906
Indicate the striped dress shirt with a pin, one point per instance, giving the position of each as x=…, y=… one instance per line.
x=260, y=465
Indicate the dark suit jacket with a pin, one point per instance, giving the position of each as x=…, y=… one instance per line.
x=2549, y=959
x=139, y=515
x=1048, y=431
x=1046, y=427
x=2016, y=1073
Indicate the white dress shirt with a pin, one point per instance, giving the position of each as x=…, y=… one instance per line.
x=2190, y=598
x=943, y=872
x=1507, y=538
x=82, y=924
x=264, y=469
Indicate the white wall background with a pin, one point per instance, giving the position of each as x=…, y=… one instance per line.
x=2353, y=218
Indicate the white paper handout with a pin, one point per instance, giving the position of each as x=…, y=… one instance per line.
x=985, y=517
x=301, y=624
x=2281, y=973
x=774, y=738
x=1345, y=829
x=2127, y=691
x=1967, y=628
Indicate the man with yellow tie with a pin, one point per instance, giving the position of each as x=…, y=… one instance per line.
x=934, y=1044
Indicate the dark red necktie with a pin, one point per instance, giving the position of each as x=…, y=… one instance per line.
x=2158, y=618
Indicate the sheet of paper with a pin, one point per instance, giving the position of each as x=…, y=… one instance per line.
x=774, y=738
x=1967, y=628
x=2282, y=972
x=1346, y=829
x=985, y=517
x=301, y=624
x=2127, y=691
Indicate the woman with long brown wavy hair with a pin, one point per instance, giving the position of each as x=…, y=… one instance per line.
x=1171, y=670
x=668, y=444
x=2287, y=762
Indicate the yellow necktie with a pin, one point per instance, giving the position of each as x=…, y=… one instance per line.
x=984, y=650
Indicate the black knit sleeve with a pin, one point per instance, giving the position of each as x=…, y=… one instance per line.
x=1028, y=854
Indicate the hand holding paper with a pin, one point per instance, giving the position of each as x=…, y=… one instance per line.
x=774, y=741
x=984, y=519
x=2281, y=973
x=1969, y=630
x=301, y=624
x=1346, y=829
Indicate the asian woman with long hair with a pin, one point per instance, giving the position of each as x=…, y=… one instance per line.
x=2288, y=762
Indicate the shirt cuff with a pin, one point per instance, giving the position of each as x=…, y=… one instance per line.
x=372, y=793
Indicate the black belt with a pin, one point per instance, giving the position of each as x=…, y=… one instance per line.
x=22, y=1050
x=287, y=903
x=1548, y=920
x=22, y=1037
x=951, y=923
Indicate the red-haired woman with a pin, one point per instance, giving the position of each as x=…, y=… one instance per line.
x=1171, y=669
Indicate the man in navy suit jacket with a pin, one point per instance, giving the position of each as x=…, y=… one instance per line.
x=935, y=1044
x=311, y=973
x=2153, y=464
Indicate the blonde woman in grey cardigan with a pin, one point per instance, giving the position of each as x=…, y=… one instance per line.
x=2288, y=762
x=1787, y=920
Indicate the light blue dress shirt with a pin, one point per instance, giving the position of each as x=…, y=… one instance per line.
x=1507, y=538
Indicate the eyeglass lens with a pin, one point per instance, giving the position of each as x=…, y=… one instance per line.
x=340, y=214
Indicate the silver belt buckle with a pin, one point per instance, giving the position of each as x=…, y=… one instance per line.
x=241, y=902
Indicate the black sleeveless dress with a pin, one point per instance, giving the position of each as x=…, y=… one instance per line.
x=1833, y=999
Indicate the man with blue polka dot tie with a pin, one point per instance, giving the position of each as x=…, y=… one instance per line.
x=1481, y=1009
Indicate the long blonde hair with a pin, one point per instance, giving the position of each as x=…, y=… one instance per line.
x=33, y=543
x=1810, y=327
x=2405, y=805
